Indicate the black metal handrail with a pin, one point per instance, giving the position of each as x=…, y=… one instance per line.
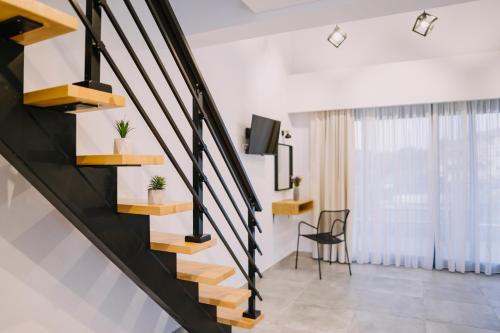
x=212, y=119
x=102, y=48
x=172, y=123
x=174, y=38
x=184, y=110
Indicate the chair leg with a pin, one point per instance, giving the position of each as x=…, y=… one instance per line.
x=319, y=262
x=331, y=250
x=297, y=253
x=347, y=258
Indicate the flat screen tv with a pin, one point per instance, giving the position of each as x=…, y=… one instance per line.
x=264, y=136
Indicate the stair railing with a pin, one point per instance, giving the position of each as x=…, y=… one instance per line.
x=204, y=112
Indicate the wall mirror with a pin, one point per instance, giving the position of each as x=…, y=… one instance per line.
x=283, y=167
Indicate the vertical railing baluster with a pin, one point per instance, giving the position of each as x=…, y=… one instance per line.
x=252, y=311
x=198, y=179
x=92, y=75
x=92, y=54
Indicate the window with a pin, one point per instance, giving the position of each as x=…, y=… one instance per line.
x=427, y=186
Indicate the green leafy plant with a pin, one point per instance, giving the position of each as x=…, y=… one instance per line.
x=296, y=181
x=157, y=183
x=123, y=128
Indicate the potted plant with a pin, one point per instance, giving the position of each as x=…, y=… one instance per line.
x=296, y=183
x=156, y=190
x=122, y=145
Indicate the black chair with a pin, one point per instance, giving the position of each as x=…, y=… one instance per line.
x=325, y=238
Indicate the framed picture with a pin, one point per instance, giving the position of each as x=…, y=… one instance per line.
x=283, y=167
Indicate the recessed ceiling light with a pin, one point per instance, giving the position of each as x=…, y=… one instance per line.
x=337, y=37
x=424, y=24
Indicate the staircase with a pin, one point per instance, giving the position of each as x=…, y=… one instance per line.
x=38, y=137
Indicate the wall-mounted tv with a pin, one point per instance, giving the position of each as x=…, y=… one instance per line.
x=263, y=136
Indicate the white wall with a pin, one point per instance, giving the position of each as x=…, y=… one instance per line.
x=457, y=78
x=258, y=86
x=53, y=279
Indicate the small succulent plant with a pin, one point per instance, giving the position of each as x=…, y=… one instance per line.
x=123, y=128
x=157, y=183
x=296, y=181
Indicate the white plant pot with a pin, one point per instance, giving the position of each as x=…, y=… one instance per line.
x=296, y=193
x=156, y=197
x=122, y=147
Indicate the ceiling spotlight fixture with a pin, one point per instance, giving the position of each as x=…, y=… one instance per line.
x=424, y=24
x=337, y=37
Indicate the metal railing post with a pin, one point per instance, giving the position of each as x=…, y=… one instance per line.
x=198, y=178
x=92, y=76
x=252, y=311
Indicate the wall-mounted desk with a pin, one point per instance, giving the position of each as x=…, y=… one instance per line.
x=292, y=207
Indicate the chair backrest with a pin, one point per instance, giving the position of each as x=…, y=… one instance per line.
x=332, y=217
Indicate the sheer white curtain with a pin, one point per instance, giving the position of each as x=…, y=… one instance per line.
x=487, y=185
x=468, y=237
x=331, y=147
x=394, y=186
x=427, y=186
x=454, y=244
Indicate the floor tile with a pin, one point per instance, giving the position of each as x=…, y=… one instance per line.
x=377, y=323
x=310, y=318
x=474, y=315
x=493, y=295
x=433, y=327
x=446, y=278
x=417, y=274
x=291, y=274
x=397, y=286
x=279, y=286
x=469, y=294
x=274, y=305
x=491, y=281
x=394, y=304
x=364, y=300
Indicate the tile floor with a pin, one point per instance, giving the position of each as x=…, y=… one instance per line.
x=376, y=299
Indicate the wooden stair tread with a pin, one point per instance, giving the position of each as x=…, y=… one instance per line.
x=55, y=22
x=222, y=296
x=73, y=94
x=167, y=242
x=234, y=317
x=131, y=207
x=119, y=160
x=202, y=273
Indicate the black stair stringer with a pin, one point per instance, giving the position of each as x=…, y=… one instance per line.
x=40, y=144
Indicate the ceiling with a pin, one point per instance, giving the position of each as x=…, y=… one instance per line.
x=259, y=6
x=220, y=21
x=466, y=28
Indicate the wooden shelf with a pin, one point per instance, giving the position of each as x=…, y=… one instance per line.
x=55, y=22
x=222, y=296
x=234, y=317
x=202, y=273
x=119, y=160
x=166, y=242
x=130, y=207
x=292, y=207
x=73, y=99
